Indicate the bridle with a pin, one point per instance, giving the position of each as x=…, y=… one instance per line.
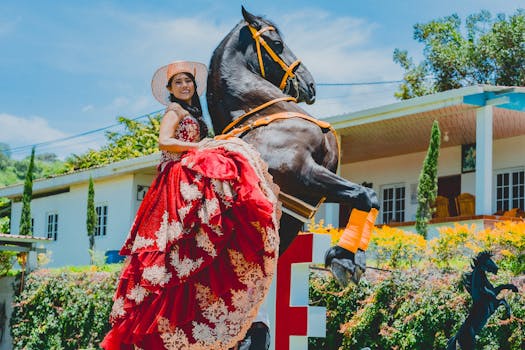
x=288, y=69
x=288, y=76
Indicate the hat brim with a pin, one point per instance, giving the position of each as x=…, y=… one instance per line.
x=160, y=78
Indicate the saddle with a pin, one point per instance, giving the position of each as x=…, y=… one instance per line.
x=292, y=206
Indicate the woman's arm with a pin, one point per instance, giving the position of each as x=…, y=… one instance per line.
x=168, y=125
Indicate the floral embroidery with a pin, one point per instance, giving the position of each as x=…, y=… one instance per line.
x=189, y=192
x=167, y=231
x=203, y=333
x=141, y=242
x=183, y=211
x=156, y=275
x=224, y=190
x=204, y=242
x=137, y=294
x=208, y=210
x=172, y=339
x=118, y=308
x=185, y=266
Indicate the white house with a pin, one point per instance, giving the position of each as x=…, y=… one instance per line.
x=59, y=205
x=383, y=146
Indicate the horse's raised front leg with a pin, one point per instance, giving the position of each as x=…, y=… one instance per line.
x=508, y=286
x=347, y=260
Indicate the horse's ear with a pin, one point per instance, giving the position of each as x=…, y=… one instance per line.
x=251, y=19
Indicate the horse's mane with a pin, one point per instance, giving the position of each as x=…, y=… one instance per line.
x=477, y=261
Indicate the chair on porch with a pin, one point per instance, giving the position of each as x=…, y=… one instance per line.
x=511, y=213
x=441, y=205
x=466, y=204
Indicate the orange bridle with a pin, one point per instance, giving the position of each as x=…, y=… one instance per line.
x=259, y=40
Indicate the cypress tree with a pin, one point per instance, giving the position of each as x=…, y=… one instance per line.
x=427, y=187
x=25, y=218
x=91, y=218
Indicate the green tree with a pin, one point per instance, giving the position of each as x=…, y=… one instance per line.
x=25, y=218
x=91, y=220
x=427, y=187
x=137, y=139
x=487, y=51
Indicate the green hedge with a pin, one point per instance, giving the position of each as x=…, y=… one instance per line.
x=408, y=310
x=412, y=309
x=63, y=310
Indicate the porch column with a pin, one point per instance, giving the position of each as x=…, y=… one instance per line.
x=331, y=210
x=484, y=119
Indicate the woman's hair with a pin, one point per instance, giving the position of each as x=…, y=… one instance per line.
x=195, y=108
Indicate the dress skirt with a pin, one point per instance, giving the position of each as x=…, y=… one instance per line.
x=202, y=252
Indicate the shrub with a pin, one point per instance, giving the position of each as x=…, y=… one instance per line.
x=394, y=247
x=412, y=309
x=63, y=310
x=451, y=244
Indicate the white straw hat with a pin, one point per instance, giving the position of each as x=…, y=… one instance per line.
x=163, y=74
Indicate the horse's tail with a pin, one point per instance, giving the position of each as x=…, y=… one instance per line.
x=451, y=344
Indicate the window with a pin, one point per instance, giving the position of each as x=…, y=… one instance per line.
x=393, y=203
x=102, y=220
x=52, y=225
x=510, y=189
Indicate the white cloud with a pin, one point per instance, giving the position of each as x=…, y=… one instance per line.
x=25, y=131
x=339, y=49
x=87, y=108
x=18, y=131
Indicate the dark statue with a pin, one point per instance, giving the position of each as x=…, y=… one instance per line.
x=484, y=301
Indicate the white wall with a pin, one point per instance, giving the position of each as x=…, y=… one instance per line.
x=405, y=169
x=72, y=244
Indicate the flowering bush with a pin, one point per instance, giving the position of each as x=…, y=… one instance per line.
x=450, y=244
x=395, y=247
x=319, y=227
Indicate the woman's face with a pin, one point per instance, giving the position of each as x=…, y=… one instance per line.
x=182, y=87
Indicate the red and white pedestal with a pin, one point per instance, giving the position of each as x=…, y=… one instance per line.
x=293, y=320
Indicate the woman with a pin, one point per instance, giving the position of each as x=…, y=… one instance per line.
x=203, y=246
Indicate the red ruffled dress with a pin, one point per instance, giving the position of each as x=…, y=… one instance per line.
x=202, y=250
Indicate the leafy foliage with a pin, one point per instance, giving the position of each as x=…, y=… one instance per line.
x=487, y=51
x=14, y=171
x=91, y=217
x=413, y=309
x=138, y=139
x=27, y=196
x=427, y=186
x=63, y=310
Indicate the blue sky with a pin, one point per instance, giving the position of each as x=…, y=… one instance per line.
x=67, y=67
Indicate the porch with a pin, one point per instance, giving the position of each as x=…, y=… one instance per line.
x=483, y=138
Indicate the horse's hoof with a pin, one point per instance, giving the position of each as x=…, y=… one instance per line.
x=343, y=270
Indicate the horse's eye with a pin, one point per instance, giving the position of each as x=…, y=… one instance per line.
x=278, y=45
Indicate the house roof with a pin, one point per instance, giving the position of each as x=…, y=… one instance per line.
x=56, y=183
x=405, y=126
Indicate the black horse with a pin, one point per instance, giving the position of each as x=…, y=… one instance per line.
x=253, y=75
x=484, y=301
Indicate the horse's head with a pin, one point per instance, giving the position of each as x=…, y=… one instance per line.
x=268, y=56
x=484, y=261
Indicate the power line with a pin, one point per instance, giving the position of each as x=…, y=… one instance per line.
x=20, y=149
x=362, y=83
x=23, y=148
